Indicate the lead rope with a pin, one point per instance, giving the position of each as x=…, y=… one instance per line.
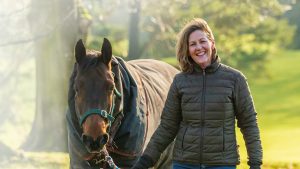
x=109, y=161
x=104, y=160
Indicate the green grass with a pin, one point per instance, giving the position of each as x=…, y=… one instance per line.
x=36, y=160
x=277, y=97
x=277, y=102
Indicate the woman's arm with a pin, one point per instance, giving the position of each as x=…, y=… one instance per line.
x=247, y=122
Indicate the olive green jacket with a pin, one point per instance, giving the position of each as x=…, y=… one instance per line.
x=200, y=112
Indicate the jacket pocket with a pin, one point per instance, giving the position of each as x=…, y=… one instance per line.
x=183, y=136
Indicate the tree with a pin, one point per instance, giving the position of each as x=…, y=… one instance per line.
x=57, y=23
x=293, y=17
x=134, y=46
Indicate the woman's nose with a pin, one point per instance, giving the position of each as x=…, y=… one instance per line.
x=198, y=46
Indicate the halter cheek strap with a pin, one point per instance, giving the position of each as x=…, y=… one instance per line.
x=117, y=93
x=102, y=113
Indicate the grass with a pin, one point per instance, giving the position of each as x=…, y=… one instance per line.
x=36, y=160
x=277, y=102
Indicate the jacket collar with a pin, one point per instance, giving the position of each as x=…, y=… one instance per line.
x=211, y=68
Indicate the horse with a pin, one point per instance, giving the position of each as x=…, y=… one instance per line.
x=114, y=108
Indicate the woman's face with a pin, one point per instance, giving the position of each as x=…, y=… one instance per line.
x=200, y=48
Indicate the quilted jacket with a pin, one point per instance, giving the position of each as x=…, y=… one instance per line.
x=200, y=114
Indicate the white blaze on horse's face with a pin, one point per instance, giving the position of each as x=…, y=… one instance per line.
x=94, y=87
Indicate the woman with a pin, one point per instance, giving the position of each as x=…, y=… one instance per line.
x=200, y=111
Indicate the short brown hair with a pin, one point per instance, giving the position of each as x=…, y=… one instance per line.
x=182, y=48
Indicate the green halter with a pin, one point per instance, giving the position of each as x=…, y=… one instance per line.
x=100, y=112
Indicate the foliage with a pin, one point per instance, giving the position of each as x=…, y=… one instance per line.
x=114, y=33
x=246, y=32
x=107, y=23
x=252, y=49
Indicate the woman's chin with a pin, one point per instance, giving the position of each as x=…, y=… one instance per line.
x=204, y=64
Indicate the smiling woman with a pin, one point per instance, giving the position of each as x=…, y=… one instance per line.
x=203, y=103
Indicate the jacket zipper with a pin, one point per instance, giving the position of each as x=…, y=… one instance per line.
x=223, y=132
x=223, y=139
x=202, y=115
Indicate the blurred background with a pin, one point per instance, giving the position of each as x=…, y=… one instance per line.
x=261, y=38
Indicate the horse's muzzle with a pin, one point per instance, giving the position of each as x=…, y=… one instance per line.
x=95, y=146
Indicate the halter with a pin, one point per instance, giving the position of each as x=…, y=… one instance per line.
x=100, y=112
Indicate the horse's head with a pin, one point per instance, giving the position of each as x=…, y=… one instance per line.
x=94, y=88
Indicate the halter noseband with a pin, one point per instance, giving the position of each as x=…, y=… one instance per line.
x=100, y=112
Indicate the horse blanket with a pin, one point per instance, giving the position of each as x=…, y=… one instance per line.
x=140, y=86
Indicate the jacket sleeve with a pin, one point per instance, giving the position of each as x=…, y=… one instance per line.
x=247, y=121
x=168, y=127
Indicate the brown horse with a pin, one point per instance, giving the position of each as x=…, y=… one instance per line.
x=115, y=107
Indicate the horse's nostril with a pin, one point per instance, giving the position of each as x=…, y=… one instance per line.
x=87, y=140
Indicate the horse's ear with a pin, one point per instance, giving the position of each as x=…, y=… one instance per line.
x=79, y=51
x=106, y=52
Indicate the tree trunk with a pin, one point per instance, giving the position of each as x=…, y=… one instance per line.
x=56, y=22
x=134, y=47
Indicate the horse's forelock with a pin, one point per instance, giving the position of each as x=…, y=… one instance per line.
x=90, y=60
x=93, y=53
